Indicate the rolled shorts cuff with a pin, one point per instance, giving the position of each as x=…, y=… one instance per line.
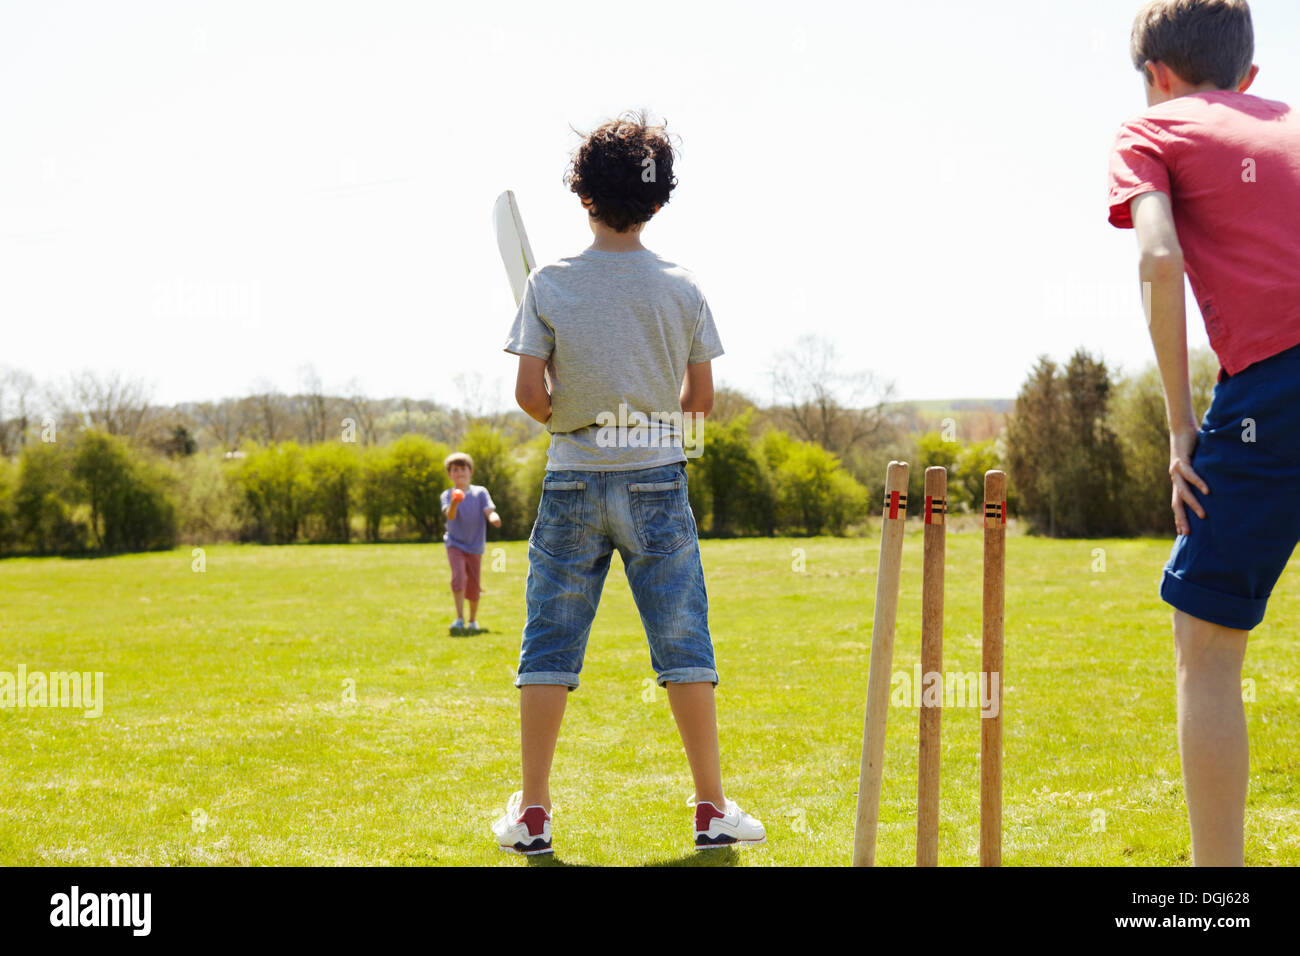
x=688, y=675
x=1226, y=610
x=547, y=677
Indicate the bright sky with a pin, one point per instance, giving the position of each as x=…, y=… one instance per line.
x=213, y=195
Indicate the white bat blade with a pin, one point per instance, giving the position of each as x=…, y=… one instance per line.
x=512, y=242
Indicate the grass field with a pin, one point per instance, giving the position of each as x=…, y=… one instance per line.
x=229, y=734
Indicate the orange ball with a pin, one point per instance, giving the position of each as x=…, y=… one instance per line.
x=457, y=495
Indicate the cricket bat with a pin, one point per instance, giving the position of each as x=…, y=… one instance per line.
x=517, y=255
x=512, y=242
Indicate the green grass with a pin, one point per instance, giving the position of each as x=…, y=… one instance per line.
x=226, y=737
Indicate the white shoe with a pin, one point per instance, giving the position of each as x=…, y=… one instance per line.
x=716, y=828
x=526, y=831
x=472, y=627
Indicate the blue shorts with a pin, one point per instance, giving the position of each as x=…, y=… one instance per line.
x=1224, y=569
x=583, y=516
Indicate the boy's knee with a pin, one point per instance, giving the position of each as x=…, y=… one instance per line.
x=1202, y=644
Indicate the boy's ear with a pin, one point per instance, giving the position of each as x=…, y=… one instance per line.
x=1244, y=85
x=1160, y=76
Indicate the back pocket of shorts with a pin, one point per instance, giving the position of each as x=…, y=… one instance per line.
x=560, y=516
x=661, y=515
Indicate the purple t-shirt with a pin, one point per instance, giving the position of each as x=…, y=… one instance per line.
x=468, y=530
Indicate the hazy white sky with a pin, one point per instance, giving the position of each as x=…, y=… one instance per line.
x=213, y=195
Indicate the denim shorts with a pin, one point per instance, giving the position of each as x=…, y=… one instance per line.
x=583, y=516
x=1248, y=453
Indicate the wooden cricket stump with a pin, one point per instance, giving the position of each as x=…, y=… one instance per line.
x=995, y=531
x=927, y=786
x=882, y=654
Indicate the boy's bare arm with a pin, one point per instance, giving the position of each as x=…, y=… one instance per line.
x=1161, y=271
x=530, y=388
x=697, y=388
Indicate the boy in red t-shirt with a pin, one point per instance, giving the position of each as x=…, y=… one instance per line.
x=1210, y=179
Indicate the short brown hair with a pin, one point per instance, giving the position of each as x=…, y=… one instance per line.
x=457, y=456
x=625, y=167
x=1198, y=39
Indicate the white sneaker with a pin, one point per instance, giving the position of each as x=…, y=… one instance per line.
x=472, y=627
x=457, y=627
x=716, y=828
x=526, y=831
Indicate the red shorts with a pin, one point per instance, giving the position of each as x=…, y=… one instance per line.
x=464, y=571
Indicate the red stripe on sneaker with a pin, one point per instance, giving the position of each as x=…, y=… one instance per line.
x=535, y=819
x=705, y=813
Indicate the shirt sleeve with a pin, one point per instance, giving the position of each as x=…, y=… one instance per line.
x=445, y=497
x=487, y=500
x=531, y=333
x=707, y=346
x=1138, y=164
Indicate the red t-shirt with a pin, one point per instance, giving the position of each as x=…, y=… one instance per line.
x=1230, y=163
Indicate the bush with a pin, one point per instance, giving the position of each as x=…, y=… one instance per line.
x=273, y=485
x=208, y=499
x=145, y=516
x=130, y=508
x=813, y=492
x=975, y=459
x=932, y=450
x=44, y=517
x=8, y=521
x=333, y=477
x=418, y=481
x=731, y=481
x=377, y=489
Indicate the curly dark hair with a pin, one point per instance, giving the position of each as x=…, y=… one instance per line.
x=625, y=168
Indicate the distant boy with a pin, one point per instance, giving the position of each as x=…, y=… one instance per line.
x=468, y=509
x=1210, y=179
x=618, y=325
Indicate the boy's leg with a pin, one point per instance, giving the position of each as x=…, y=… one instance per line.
x=473, y=588
x=1219, y=578
x=1212, y=738
x=541, y=709
x=656, y=535
x=456, y=558
x=568, y=560
x=693, y=709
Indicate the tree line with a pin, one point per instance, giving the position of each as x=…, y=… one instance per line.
x=1088, y=451
x=97, y=492
x=101, y=469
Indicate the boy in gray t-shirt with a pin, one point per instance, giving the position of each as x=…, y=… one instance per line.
x=617, y=331
x=625, y=339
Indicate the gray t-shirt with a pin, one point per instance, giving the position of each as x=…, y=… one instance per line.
x=618, y=329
